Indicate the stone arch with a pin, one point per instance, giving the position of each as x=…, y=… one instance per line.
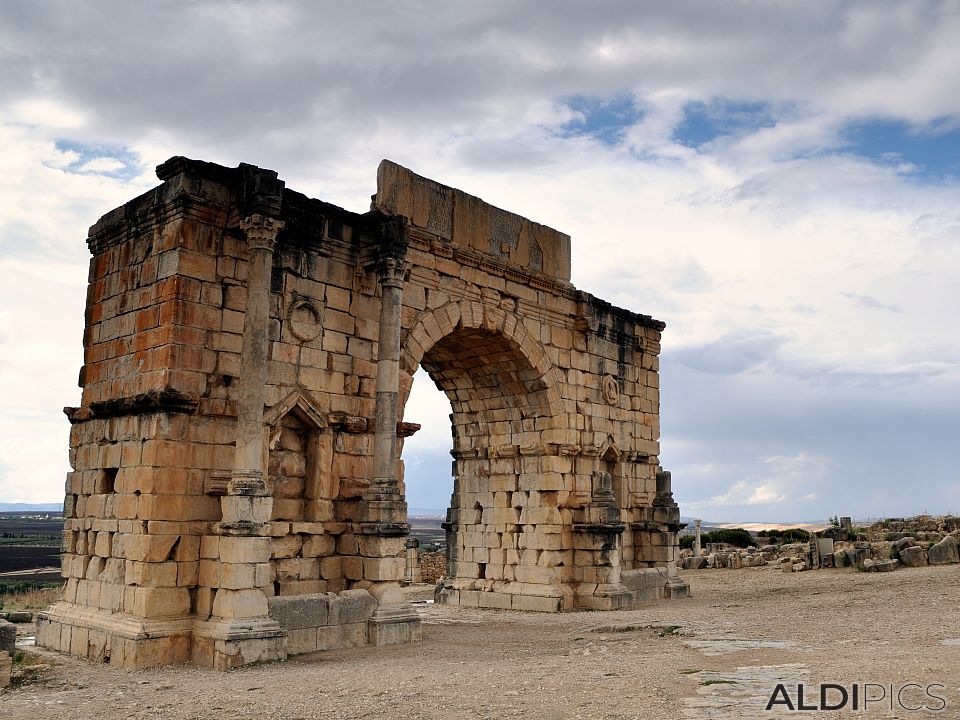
x=434, y=326
x=507, y=411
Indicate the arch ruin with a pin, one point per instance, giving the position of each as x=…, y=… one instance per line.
x=237, y=491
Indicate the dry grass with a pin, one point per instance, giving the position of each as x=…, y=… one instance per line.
x=36, y=599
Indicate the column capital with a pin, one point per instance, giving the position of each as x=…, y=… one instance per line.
x=390, y=272
x=261, y=231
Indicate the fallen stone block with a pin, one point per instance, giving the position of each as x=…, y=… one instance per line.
x=885, y=565
x=20, y=616
x=913, y=556
x=944, y=552
x=857, y=555
x=901, y=545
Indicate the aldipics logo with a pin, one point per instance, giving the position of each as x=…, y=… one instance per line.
x=860, y=697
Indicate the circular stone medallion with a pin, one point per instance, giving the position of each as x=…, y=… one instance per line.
x=610, y=389
x=304, y=321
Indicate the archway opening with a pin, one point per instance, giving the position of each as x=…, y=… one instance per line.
x=499, y=407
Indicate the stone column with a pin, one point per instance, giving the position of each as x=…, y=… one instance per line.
x=697, y=549
x=261, y=235
x=413, y=574
x=247, y=505
x=385, y=512
x=384, y=480
x=240, y=630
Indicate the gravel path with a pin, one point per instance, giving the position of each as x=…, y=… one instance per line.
x=716, y=655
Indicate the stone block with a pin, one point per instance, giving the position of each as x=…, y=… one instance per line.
x=6, y=668
x=902, y=544
x=8, y=637
x=383, y=569
x=334, y=637
x=944, y=552
x=303, y=587
x=319, y=545
x=495, y=600
x=285, y=547
x=913, y=556
x=237, y=576
x=381, y=634
x=150, y=574
x=331, y=567
x=372, y=546
x=351, y=606
x=239, y=604
x=538, y=604
x=159, y=602
x=352, y=567
x=300, y=611
x=303, y=640
x=244, y=549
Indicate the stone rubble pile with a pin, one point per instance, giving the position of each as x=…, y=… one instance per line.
x=906, y=543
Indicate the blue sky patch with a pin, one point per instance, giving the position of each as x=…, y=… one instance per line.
x=605, y=119
x=933, y=150
x=108, y=160
x=705, y=122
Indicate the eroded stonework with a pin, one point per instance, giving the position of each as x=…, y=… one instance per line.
x=238, y=492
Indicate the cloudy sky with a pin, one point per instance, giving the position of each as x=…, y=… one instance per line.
x=778, y=181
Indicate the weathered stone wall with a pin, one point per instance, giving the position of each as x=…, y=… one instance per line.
x=248, y=353
x=555, y=398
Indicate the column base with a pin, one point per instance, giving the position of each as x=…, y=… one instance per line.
x=608, y=596
x=122, y=640
x=395, y=620
x=394, y=625
x=227, y=644
x=676, y=588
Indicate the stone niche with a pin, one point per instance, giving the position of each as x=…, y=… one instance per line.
x=237, y=491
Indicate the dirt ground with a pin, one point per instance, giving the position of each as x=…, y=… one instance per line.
x=719, y=654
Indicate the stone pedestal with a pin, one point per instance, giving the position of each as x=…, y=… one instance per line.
x=395, y=619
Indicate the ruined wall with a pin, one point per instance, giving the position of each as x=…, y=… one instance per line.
x=248, y=352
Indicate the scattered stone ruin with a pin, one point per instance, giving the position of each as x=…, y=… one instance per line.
x=882, y=547
x=237, y=492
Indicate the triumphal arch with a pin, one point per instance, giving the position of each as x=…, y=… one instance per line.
x=238, y=493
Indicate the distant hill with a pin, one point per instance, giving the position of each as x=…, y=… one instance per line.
x=31, y=507
x=426, y=512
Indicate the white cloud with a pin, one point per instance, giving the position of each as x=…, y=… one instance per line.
x=782, y=479
x=101, y=165
x=771, y=252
